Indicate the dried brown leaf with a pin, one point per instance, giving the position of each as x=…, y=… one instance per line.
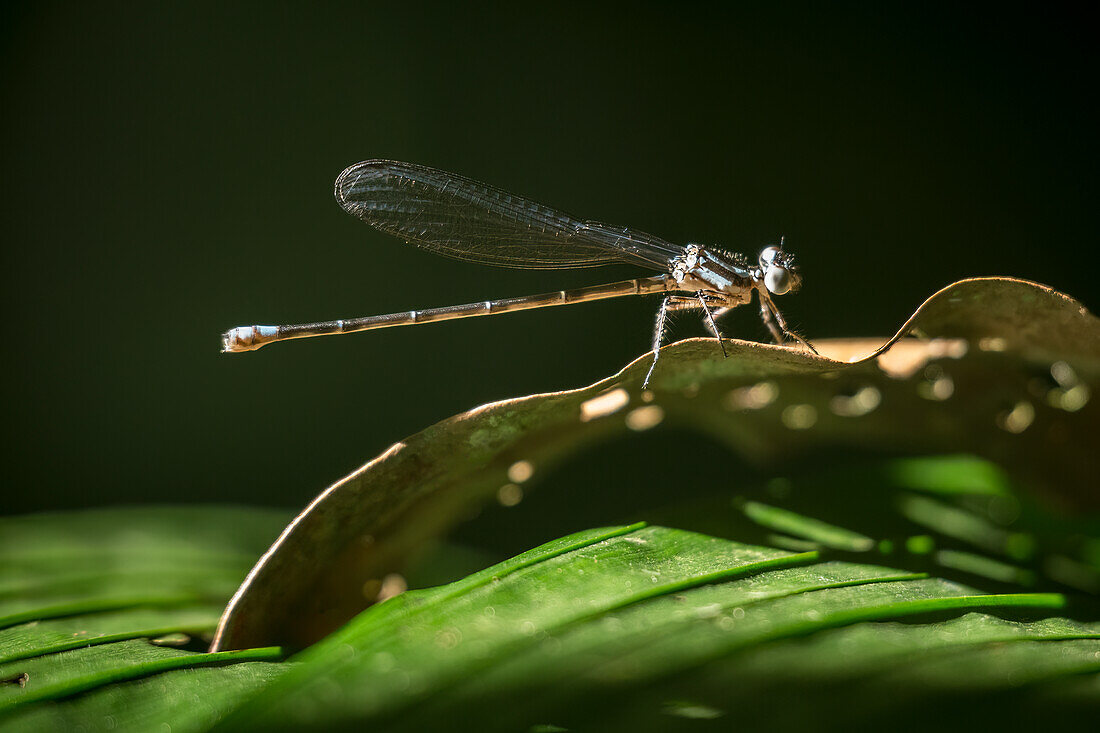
x=1003, y=369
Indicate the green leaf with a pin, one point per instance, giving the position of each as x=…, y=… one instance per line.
x=85, y=596
x=612, y=629
x=600, y=630
x=813, y=530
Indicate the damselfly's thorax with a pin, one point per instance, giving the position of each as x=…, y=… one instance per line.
x=700, y=268
x=716, y=271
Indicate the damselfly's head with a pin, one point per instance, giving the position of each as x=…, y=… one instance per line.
x=779, y=271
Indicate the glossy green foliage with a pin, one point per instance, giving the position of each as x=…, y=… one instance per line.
x=94, y=607
x=637, y=627
x=822, y=624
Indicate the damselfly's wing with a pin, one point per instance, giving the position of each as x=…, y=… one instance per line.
x=458, y=217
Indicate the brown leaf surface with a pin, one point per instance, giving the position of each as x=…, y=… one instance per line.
x=1003, y=368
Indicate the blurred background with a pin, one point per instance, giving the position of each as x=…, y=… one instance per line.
x=168, y=171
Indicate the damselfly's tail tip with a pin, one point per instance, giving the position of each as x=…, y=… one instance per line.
x=246, y=338
x=235, y=340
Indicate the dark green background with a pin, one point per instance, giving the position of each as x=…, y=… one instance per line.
x=167, y=174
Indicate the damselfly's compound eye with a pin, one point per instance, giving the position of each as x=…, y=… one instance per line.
x=767, y=257
x=777, y=279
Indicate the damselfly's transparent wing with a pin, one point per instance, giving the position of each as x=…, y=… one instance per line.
x=458, y=217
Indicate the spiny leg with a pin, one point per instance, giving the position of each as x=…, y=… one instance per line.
x=658, y=336
x=794, y=335
x=708, y=319
x=670, y=303
x=769, y=321
x=768, y=309
x=675, y=303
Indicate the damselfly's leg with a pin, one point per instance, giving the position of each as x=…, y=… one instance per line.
x=708, y=319
x=769, y=321
x=658, y=337
x=677, y=303
x=767, y=311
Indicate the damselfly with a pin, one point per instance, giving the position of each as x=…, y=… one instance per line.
x=457, y=217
